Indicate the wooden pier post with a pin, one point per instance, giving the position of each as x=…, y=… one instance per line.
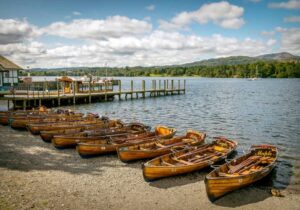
x=178, y=87
x=172, y=86
x=27, y=91
x=105, y=86
x=165, y=86
x=143, y=88
x=58, y=95
x=74, y=94
x=152, y=88
x=90, y=96
x=120, y=89
x=131, y=88
x=184, y=83
x=159, y=87
x=24, y=104
x=155, y=93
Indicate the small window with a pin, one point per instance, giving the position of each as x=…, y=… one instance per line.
x=6, y=74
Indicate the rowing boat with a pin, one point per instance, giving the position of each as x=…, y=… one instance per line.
x=5, y=116
x=242, y=171
x=71, y=140
x=110, y=144
x=160, y=147
x=21, y=122
x=36, y=128
x=188, y=160
x=81, y=130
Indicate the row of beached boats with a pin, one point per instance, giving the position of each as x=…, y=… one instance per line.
x=169, y=155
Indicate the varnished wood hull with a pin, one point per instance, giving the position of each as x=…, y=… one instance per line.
x=152, y=173
x=216, y=188
x=48, y=135
x=94, y=149
x=65, y=142
x=153, y=169
x=146, y=151
x=36, y=129
x=126, y=156
x=218, y=185
x=88, y=150
x=22, y=123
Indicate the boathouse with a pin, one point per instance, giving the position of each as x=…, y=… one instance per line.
x=9, y=73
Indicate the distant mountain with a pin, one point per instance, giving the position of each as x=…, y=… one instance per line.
x=231, y=60
x=236, y=60
x=279, y=56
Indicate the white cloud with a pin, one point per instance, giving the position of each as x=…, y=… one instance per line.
x=292, y=19
x=116, y=26
x=268, y=33
x=76, y=13
x=156, y=48
x=271, y=42
x=291, y=4
x=150, y=7
x=14, y=31
x=221, y=13
x=290, y=39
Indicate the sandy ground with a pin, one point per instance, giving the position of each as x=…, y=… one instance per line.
x=35, y=175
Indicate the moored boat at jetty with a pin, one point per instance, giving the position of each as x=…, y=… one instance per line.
x=110, y=144
x=188, y=160
x=240, y=172
x=160, y=147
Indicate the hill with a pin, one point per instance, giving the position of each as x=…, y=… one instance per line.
x=238, y=60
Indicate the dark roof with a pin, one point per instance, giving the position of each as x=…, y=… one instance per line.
x=7, y=65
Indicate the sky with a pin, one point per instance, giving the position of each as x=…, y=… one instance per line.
x=92, y=33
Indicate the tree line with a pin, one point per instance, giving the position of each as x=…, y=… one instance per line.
x=259, y=69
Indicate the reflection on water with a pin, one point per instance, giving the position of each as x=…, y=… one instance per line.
x=252, y=112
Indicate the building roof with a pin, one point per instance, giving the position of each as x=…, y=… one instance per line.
x=7, y=65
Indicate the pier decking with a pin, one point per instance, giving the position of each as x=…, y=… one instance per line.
x=32, y=96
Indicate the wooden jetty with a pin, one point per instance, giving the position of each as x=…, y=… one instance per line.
x=33, y=95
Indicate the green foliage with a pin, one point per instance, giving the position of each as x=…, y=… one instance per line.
x=264, y=69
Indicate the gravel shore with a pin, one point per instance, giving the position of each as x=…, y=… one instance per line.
x=35, y=175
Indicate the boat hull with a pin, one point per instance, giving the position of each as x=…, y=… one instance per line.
x=126, y=156
x=216, y=188
x=87, y=150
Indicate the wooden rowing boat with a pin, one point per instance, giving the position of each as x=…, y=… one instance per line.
x=36, y=128
x=242, y=171
x=81, y=130
x=21, y=123
x=5, y=116
x=188, y=160
x=110, y=144
x=160, y=147
x=71, y=140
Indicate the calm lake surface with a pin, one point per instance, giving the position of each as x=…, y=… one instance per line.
x=251, y=112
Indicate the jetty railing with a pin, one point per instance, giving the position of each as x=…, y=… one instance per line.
x=49, y=94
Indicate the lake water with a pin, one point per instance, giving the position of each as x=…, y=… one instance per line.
x=251, y=112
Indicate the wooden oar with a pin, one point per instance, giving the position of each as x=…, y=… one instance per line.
x=201, y=149
x=206, y=157
x=243, y=164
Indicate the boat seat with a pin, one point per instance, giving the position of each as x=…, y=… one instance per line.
x=181, y=161
x=159, y=145
x=166, y=163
